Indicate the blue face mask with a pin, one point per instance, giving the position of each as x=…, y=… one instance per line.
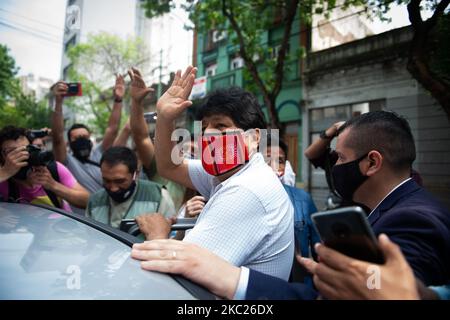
x=347, y=178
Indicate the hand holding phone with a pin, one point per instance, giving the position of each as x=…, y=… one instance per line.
x=74, y=89
x=346, y=230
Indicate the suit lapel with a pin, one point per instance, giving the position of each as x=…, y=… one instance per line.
x=405, y=189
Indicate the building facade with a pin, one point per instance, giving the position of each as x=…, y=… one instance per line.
x=366, y=75
x=218, y=60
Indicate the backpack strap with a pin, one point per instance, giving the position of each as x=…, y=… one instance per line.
x=52, y=167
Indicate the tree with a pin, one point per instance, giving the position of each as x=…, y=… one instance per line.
x=246, y=20
x=8, y=70
x=95, y=64
x=17, y=108
x=24, y=111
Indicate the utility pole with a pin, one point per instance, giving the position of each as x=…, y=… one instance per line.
x=160, y=74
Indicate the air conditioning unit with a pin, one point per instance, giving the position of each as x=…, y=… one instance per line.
x=218, y=35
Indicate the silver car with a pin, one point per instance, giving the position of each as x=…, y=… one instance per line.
x=47, y=253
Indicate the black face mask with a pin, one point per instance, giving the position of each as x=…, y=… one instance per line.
x=122, y=195
x=81, y=148
x=22, y=174
x=347, y=178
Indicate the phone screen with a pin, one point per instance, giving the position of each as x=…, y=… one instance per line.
x=346, y=230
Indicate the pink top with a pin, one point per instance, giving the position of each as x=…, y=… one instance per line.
x=36, y=194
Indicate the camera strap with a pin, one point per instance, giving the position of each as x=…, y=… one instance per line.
x=92, y=162
x=55, y=175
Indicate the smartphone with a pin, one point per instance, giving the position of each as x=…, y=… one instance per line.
x=74, y=89
x=347, y=230
x=130, y=226
x=150, y=117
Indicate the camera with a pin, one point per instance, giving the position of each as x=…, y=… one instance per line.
x=74, y=89
x=35, y=134
x=38, y=157
x=150, y=117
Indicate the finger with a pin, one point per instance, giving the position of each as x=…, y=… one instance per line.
x=333, y=258
x=186, y=73
x=188, y=88
x=160, y=244
x=137, y=72
x=148, y=255
x=392, y=252
x=309, y=264
x=18, y=150
x=131, y=74
x=194, y=213
x=177, y=78
x=198, y=198
x=196, y=206
x=186, y=104
x=325, y=289
x=168, y=266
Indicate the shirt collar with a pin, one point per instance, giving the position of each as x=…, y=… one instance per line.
x=395, y=188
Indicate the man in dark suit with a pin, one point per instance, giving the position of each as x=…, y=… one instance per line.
x=375, y=154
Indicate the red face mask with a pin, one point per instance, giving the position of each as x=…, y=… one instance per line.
x=223, y=152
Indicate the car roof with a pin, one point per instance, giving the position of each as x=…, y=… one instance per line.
x=52, y=254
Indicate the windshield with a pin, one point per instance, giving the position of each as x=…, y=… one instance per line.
x=46, y=255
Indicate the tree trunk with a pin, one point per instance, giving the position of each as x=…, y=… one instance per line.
x=418, y=55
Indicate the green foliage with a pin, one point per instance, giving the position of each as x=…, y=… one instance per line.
x=17, y=108
x=95, y=64
x=8, y=70
x=25, y=111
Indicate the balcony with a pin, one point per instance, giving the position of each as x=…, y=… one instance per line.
x=226, y=79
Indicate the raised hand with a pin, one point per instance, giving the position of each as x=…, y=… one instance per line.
x=14, y=160
x=175, y=100
x=138, y=90
x=119, y=88
x=59, y=89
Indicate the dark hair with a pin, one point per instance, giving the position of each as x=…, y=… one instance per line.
x=241, y=106
x=11, y=133
x=76, y=126
x=384, y=131
x=120, y=155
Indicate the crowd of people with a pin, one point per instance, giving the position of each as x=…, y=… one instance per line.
x=253, y=226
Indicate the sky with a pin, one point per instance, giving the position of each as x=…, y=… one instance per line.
x=33, y=30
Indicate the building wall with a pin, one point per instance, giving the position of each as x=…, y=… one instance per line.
x=377, y=76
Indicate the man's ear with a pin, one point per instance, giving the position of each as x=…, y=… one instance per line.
x=374, y=163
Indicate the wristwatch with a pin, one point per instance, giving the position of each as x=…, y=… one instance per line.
x=323, y=135
x=117, y=100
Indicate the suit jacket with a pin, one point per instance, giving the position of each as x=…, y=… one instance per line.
x=411, y=218
x=420, y=225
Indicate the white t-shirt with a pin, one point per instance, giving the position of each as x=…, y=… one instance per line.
x=247, y=220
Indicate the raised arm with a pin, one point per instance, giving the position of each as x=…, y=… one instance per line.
x=318, y=147
x=139, y=132
x=122, y=138
x=173, y=102
x=59, y=144
x=114, y=119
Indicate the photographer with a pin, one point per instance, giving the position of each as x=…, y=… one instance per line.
x=28, y=174
x=84, y=160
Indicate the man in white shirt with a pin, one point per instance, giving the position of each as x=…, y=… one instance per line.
x=248, y=217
